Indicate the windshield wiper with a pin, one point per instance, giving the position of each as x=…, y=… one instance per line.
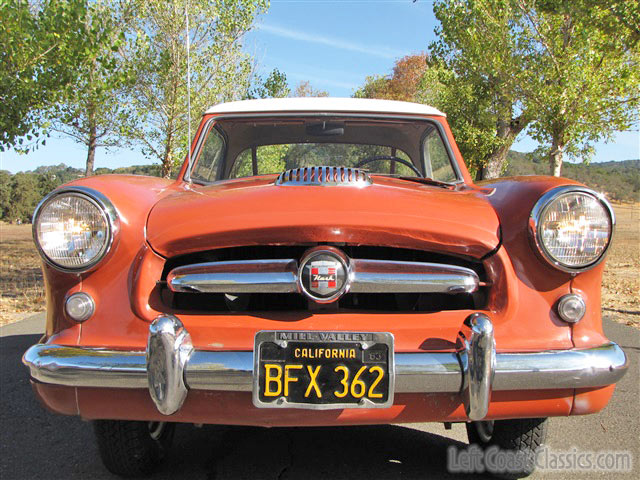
x=427, y=181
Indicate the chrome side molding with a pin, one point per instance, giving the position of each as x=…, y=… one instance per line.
x=169, y=348
x=281, y=276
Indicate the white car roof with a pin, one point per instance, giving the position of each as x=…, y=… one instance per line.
x=324, y=104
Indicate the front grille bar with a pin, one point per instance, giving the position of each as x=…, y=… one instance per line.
x=281, y=276
x=384, y=276
x=253, y=276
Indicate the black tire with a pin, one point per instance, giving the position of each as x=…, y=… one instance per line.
x=132, y=449
x=520, y=438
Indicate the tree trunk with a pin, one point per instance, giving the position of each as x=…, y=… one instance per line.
x=166, y=164
x=93, y=140
x=507, y=130
x=496, y=162
x=167, y=160
x=555, y=158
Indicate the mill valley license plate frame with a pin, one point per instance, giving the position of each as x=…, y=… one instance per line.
x=328, y=350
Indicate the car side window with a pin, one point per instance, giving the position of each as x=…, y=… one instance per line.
x=243, y=166
x=210, y=157
x=436, y=158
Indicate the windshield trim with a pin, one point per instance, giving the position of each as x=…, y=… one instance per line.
x=217, y=118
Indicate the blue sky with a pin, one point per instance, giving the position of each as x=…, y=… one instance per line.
x=335, y=45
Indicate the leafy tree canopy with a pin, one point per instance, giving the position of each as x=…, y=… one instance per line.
x=274, y=86
x=42, y=45
x=584, y=81
x=95, y=113
x=219, y=70
x=566, y=69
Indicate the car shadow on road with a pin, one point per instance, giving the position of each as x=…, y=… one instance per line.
x=37, y=444
x=371, y=452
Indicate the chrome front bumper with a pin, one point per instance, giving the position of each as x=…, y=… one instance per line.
x=171, y=366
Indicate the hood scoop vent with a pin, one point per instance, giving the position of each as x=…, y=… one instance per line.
x=325, y=176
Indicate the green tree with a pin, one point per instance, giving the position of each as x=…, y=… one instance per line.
x=418, y=78
x=47, y=182
x=94, y=113
x=41, y=46
x=583, y=72
x=5, y=192
x=25, y=195
x=220, y=71
x=479, y=49
x=375, y=86
x=274, y=86
x=568, y=70
x=470, y=114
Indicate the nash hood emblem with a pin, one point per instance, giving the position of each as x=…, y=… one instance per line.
x=324, y=275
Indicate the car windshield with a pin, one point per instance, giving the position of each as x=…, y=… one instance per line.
x=242, y=147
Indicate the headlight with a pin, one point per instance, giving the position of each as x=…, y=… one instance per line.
x=74, y=227
x=572, y=227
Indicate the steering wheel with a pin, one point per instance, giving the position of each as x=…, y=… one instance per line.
x=391, y=158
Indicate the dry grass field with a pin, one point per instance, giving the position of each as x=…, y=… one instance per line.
x=21, y=288
x=22, y=292
x=621, y=283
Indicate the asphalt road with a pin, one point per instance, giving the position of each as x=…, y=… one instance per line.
x=35, y=444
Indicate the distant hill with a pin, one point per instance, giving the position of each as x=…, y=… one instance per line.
x=618, y=180
x=20, y=193
x=69, y=173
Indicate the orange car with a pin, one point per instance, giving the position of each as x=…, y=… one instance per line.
x=322, y=261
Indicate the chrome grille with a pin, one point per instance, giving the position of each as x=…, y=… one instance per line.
x=264, y=278
x=280, y=276
x=325, y=176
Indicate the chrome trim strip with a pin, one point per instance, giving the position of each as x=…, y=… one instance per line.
x=227, y=371
x=415, y=372
x=579, y=368
x=538, y=210
x=325, y=177
x=428, y=372
x=242, y=276
x=86, y=367
x=382, y=276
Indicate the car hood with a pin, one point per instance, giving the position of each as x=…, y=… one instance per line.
x=390, y=212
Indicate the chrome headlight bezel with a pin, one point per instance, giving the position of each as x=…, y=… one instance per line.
x=106, y=209
x=535, y=226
